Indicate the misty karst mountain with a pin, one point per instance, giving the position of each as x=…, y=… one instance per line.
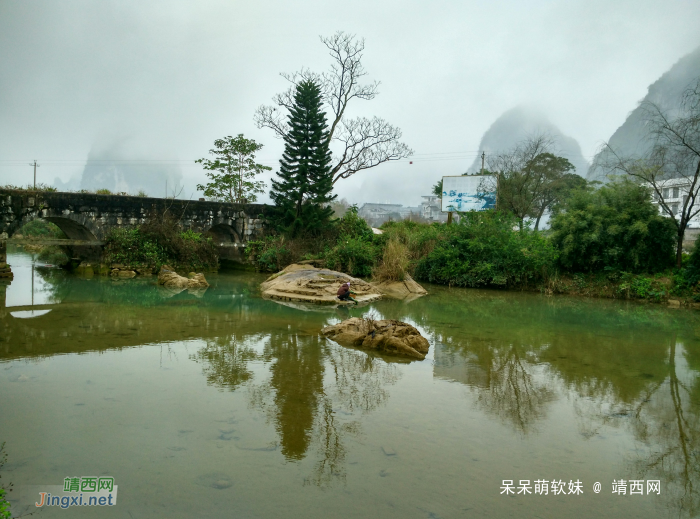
x=118, y=165
x=630, y=139
x=520, y=123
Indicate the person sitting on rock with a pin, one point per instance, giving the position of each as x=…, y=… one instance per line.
x=344, y=293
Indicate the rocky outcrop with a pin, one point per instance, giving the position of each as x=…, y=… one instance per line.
x=385, y=336
x=5, y=272
x=407, y=289
x=171, y=279
x=632, y=138
x=308, y=284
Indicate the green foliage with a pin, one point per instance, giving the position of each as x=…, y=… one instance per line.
x=692, y=267
x=233, y=171
x=53, y=256
x=615, y=227
x=131, y=247
x=103, y=191
x=30, y=187
x=484, y=250
x=41, y=228
x=437, y=188
x=353, y=225
x=303, y=192
x=354, y=255
x=190, y=235
x=4, y=504
x=158, y=242
x=271, y=254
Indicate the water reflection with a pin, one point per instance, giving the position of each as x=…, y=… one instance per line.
x=622, y=366
x=314, y=396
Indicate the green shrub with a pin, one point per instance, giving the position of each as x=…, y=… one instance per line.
x=131, y=247
x=190, y=235
x=485, y=250
x=41, y=228
x=270, y=254
x=158, y=242
x=103, y=191
x=53, y=255
x=354, y=226
x=615, y=227
x=4, y=505
x=354, y=256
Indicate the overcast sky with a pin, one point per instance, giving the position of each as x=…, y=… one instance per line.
x=169, y=77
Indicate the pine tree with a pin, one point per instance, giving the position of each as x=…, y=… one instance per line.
x=304, y=191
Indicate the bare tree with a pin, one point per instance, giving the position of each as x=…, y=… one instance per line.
x=672, y=160
x=358, y=144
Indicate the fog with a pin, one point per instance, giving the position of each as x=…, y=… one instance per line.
x=150, y=85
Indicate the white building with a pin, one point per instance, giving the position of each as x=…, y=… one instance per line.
x=431, y=209
x=674, y=193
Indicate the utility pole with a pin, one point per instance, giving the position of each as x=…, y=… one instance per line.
x=35, y=166
x=483, y=157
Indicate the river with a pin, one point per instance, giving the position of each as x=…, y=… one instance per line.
x=222, y=404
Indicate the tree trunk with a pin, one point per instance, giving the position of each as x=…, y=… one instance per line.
x=539, y=216
x=679, y=247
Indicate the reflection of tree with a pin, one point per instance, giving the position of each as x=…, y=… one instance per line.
x=513, y=391
x=313, y=395
x=664, y=417
x=669, y=424
x=355, y=383
x=225, y=361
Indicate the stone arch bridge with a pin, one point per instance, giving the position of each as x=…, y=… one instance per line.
x=87, y=218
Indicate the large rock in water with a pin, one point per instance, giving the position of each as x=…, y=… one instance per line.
x=406, y=289
x=386, y=336
x=308, y=284
x=171, y=279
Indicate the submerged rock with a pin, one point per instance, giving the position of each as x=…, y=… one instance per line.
x=171, y=279
x=406, y=289
x=386, y=336
x=307, y=284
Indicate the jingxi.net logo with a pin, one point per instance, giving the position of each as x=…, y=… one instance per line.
x=79, y=491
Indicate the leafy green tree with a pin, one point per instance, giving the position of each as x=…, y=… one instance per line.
x=233, y=171
x=437, y=188
x=615, y=227
x=304, y=190
x=558, y=186
x=527, y=178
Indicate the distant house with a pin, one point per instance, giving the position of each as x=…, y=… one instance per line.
x=376, y=214
x=431, y=209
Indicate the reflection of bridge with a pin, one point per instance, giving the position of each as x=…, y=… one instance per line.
x=87, y=219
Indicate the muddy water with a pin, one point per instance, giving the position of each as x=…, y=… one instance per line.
x=222, y=404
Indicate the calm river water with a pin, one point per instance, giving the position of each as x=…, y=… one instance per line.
x=223, y=404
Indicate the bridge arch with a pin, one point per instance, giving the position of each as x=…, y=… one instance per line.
x=72, y=227
x=223, y=233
